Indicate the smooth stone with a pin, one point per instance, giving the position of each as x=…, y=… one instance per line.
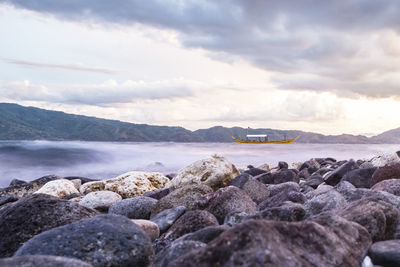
x=204, y=235
x=134, y=208
x=280, y=198
x=254, y=171
x=391, y=186
x=386, y=172
x=384, y=159
x=149, y=227
x=226, y=200
x=287, y=211
x=360, y=178
x=269, y=243
x=334, y=177
x=60, y=188
x=104, y=240
x=77, y=183
x=176, y=250
x=386, y=253
x=158, y=194
x=278, y=188
x=283, y=165
x=281, y=176
x=314, y=181
x=42, y=261
x=166, y=218
x=184, y=196
x=257, y=191
x=34, y=214
x=100, y=200
x=264, y=167
x=26, y=189
x=215, y=172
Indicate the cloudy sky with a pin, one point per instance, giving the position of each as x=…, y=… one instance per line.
x=324, y=66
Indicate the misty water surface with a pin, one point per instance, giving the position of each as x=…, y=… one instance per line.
x=28, y=160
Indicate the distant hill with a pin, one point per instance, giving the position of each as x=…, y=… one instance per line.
x=29, y=123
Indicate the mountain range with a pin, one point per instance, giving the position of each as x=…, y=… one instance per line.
x=30, y=123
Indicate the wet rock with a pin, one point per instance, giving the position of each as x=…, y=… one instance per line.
x=42, y=261
x=385, y=253
x=323, y=202
x=257, y=191
x=215, y=172
x=176, y=250
x=360, y=178
x=391, y=186
x=386, y=172
x=104, y=240
x=158, y=194
x=134, y=208
x=335, y=176
x=269, y=243
x=149, y=227
x=283, y=165
x=226, y=200
x=34, y=214
x=60, y=188
x=26, y=189
x=378, y=217
x=184, y=196
x=17, y=182
x=100, y=200
x=166, y=218
x=204, y=235
x=278, y=199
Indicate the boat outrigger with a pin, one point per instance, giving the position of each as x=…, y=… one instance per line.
x=263, y=139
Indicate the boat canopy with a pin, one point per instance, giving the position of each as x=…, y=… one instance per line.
x=256, y=135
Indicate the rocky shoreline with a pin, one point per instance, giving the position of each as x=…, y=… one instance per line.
x=321, y=212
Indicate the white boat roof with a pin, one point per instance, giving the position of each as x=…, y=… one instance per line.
x=256, y=135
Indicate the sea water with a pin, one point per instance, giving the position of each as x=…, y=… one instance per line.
x=28, y=160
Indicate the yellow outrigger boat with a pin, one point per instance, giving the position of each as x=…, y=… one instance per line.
x=264, y=140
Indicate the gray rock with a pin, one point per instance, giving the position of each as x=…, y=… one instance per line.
x=390, y=171
x=34, y=214
x=235, y=217
x=324, y=202
x=166, y=218
x=283, y=165
x=278, y=188
x=385, y=253
x=314, y=181
x=21, y=189
x=134, y=208
x=391, y=186
x=226, y=200
x=278, y=199
x=100, y=200
x=282, y=176
x=42, y=261
x=176, y=250
x=287, y=211
x=158, y=194
x=205, y=235
x=104, y=240
x=335, y=176
x=360, y=178
x=255, y=171
x=7, y=199
x=256, y=190
x=17, y=182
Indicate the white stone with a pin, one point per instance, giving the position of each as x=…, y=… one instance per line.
x=215, y=172
x=77, y=183
x=100, y=200
x=92, y=187
x=384, y=159
x=149, y=227
x=58, y=188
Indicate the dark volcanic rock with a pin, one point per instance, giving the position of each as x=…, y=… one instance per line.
x=26, y=189
x=391, y=171
x=278, y=188
x=378, y=217
x=104, y=240
x=278, y=199
x=255, y=171
x=134, y=208
x=283, y=176
x=206, y=234
x=391, y=186
x=7, y=199
x=323, y=202
x=158, y=194
x=283, y=165
x=311, y=165
x=385, y=253
x=175, y=250
x=184, y=196
x=314, y=181
x=17, y=182
x=256, y=190
x=335, y=176
x=42, y=261
x=226, y=200
x=360, y=178
x=166, y=218
x=34, y=214
x=269, y=243
x=287, y=211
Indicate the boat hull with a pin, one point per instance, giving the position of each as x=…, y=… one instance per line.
x=266, y=142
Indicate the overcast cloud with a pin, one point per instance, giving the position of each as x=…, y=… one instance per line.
x=346, y=47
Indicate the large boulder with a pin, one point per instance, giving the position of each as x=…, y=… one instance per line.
x=100, y=200
x=385, y=253
x=269, y=243
x=360, y=178
x=58, y=188
x=391, y=186
x=226, y=200
x=391, y=171
x=134, y=208
x=255, y=189
x=130, y=184
x=42, y=261
x=104, y=240
x=334, y=177
x=34, y=214
x=25, y=189
x=215, y=172
x=184, y=196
